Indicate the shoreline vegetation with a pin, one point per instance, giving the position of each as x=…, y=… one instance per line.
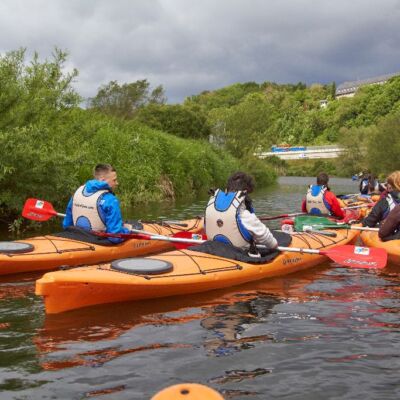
x=50, y=144
x=166, y=151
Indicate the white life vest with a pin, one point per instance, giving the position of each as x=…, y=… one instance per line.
x=85, y=213
x=364, y=187
x=315, y=202
x=222, y=220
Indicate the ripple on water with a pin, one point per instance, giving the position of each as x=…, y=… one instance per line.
x=329, y=332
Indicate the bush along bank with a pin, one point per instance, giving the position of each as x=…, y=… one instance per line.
x=51, y=162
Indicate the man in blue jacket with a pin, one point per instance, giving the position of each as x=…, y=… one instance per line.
x=94, y=206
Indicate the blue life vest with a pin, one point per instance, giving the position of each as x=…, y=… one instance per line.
x=315, y=200
x=222, y=219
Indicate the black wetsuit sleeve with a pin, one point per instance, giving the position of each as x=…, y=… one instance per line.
x=391, y=224
x=376, y=214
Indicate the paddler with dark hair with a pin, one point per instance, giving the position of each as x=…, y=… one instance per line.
x=230, y=217
x=320, y=200
x=94, y=206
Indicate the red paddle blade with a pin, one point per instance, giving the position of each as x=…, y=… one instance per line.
x=357, y=257
x=187, y=235
x=38, y=210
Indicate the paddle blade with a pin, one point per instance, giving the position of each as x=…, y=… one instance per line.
x=306, y=222
x=357, y=257
x=188, y=235
x=38, y=210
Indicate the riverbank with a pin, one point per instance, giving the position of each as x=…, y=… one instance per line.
x=151, y=165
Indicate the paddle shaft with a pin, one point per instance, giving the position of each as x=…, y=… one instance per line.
x=360, y=206
x=196, y=241
x=270, y=218
x=301, y=250
x=363, y=228
x=344, y=255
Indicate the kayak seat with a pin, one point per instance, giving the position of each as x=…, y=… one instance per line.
x=15, y=247
x=82, y=235
x=146, y=266
x=233, y=253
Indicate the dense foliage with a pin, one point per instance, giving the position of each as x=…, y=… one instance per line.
x=250, y=117
x=50, y=145
x=246, y=118
x=125, y=100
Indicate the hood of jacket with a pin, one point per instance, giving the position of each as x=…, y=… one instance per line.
x=94, y=186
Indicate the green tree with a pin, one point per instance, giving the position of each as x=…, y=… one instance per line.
x=242, y=128
x=34, y=92
x=226, y=97
x=183, y=121
x=123, y=101
x=355, y=142
x=384, y=145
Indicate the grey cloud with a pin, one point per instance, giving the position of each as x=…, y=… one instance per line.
x=189, y=46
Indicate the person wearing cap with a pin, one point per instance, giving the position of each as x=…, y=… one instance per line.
x=320, y=200
x=386, y=203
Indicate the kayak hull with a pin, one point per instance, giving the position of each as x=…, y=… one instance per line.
x=371, y=239
x=50, y=252
x=193, y=272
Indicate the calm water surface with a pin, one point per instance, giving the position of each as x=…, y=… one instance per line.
x=328, y=333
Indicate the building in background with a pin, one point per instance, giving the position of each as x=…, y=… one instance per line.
x=348, y=89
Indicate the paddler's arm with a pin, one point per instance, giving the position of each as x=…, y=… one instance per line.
x=336, y=210
x=376, y=214
x=68, y=221
x=304, y=206
x=113, y=217
x=261, y=234
x=390, y=224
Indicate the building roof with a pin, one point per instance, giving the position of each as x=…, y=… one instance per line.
x=348, y=87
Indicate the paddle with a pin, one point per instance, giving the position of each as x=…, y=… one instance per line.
x=305, y=223
x=270, y=218
x=181, y=240
x=41, y=210
x=351, y=256
x=360, y=206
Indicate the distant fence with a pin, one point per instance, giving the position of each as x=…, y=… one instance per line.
x=310, y=152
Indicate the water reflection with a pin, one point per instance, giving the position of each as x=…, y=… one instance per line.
x=229, y=315
x=229, y=324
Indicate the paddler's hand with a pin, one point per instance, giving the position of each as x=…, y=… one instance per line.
x=128, y=226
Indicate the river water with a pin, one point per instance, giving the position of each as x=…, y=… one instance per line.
x=327, y=333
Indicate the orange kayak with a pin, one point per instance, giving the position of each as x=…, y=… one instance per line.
x=186, y=271
x=187, y=391
x=44, y=253
x=364, y=203
x=371, y=239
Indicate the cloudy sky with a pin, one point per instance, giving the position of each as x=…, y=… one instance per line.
x=193, y=45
